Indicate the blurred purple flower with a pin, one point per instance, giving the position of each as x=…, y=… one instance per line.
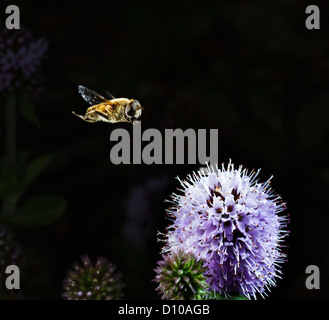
x=231, y=221
x=20, y=60
x=10, y=254
x=141, y=206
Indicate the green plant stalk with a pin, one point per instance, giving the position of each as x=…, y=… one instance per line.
x=10, y=155
x=9, y=206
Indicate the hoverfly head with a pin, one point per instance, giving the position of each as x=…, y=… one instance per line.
x=134, y=109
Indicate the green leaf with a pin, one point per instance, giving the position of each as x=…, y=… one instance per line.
x=22, y=156
x=214, y=295
x=14, y=184
x=38, y=211
x=27, y=110
x=8, y=187
x=33, y=170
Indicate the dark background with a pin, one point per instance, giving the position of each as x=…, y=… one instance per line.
x=250, y=69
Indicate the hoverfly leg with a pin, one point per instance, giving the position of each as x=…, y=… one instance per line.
x=78, y=115
x=102, y=115
x=83, y=117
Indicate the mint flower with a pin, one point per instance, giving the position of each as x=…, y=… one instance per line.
x=181, y=277
x=20, y=60
x=232, y=222
x=101, y=281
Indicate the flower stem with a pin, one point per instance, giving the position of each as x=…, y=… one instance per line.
x=10, y=155
x=9, y=205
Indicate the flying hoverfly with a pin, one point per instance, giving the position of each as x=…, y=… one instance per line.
x=109, y=109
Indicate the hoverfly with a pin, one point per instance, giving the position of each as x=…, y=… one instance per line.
x=109, y=109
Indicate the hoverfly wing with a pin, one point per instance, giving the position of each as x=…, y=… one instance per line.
x=110, y=95
x=91, y=96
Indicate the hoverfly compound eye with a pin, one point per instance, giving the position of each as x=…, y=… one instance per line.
x=137, y=109
x=129, y=111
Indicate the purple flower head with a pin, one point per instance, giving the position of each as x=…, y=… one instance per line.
x=230, y=220
x=20, y=60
